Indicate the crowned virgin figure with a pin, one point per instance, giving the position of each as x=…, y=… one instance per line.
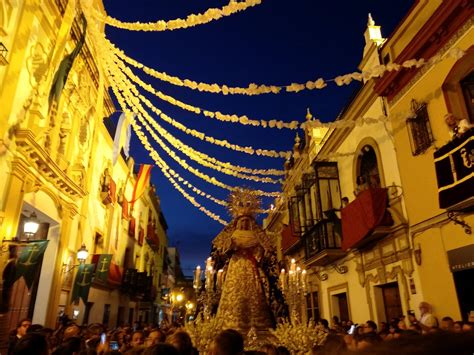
x=250, y=297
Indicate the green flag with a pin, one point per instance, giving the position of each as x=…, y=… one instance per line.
x=29, y=261
x=102, y=269
x=82, y=283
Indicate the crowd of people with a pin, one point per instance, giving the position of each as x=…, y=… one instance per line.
x=403, y=335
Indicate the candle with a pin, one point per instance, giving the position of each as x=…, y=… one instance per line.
x=220, y=274
x=282, y=279
x=197, y=277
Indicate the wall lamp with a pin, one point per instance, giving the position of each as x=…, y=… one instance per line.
x=31, y=225
x=82, y=255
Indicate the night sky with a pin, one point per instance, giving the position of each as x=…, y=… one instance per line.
x=277, y=42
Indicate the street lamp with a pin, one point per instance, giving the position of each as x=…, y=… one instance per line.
x=31, y=226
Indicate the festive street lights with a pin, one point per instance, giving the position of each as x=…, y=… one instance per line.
x=294, y=286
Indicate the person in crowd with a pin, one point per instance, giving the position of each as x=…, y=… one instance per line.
x=457, y=326
x=370, y=327
x=70, y=346
x=138, y=338
x=32, y=343
x=468, y=327
x=334, y=344
x=269, y=349
x=393, y=330
x=18, y=333
x=427, y=320
x=154, y=337
x=283, y=350
x=430, y=343
x=383, y=330
x=161, y=349
x=72, y=330
x=227, y=342
x=447, y=324
x=323, y=324
x=182, y=342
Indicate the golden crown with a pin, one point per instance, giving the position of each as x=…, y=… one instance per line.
x=243, y=202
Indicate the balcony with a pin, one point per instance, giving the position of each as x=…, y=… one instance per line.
x=368, y=218
x=152, y=238
x=454, y=163
x=323, y=243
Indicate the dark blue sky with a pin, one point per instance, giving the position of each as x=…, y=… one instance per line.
x=278, y=42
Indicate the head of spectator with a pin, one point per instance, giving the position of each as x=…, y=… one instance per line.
x=161, y=349
x=181, y=341
x=367, y=340
x=269, y=349
x=156, y=336
x=227, y=342
x=22, y=327
x=138, y=338
x=468, y=327
x=323, y=323
x=34, y=328
x=457, y=326
x=370, y=327
x=424, y=308
x=283, y=350
x=335, y=321
x=72, y=330
x=69, y=346
x=447, y=324
x=32, y=343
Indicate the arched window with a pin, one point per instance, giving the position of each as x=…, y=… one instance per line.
x=368, y=175
x=458, y=88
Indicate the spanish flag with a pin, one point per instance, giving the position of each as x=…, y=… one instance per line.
x=143, y=180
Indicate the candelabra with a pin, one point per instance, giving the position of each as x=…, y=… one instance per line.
x=209, y=296
x=294, y=286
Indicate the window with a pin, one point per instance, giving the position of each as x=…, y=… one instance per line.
x=467, y=85
x=419, y=129
x=312, y=306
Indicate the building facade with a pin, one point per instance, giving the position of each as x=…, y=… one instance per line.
x=56, y=163
x=367, y=210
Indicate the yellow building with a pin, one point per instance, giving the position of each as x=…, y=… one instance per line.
x=436, y=166
x=379, y=210
x=56, y=163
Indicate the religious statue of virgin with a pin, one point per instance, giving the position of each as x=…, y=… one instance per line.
x=250, y=297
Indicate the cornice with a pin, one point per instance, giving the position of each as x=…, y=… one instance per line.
x=439, y=28
x=38, y=159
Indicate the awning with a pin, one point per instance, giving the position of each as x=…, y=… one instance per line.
x=461, y=258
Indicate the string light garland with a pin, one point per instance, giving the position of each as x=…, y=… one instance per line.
x=256, y=89
x=243, y=120
x=192, y=20
x=203, y=158
x=202, y=136
x=169, y=173
x=139, y=110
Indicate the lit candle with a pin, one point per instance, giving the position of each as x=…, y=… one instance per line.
x=197, y=277
x=220, y=274
x=282, y=279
